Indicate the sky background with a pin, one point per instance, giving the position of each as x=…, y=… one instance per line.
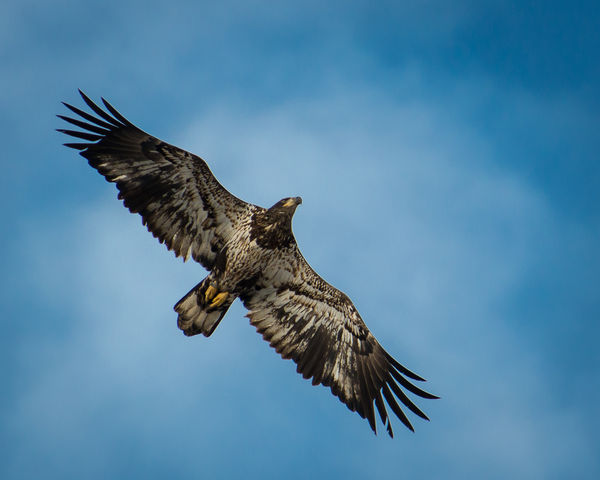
x=447, y=155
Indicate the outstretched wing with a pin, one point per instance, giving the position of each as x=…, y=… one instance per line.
x=174, y=191
x=317, y=326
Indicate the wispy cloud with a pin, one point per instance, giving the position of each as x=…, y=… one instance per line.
x=426, y=238
x=448, y=188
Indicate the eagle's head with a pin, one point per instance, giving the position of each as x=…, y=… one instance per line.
x=273, y=227
x=287, y=205
x=283, y=211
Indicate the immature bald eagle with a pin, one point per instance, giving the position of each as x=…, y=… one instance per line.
x=251, y=254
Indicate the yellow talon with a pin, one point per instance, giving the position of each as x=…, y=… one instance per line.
x=210, y=293
x=219, y=300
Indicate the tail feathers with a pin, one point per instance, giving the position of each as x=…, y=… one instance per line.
x=195, y=315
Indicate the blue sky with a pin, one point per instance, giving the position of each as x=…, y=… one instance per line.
x=447, y=155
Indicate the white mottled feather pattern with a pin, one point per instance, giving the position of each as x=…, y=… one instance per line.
x=251, y=254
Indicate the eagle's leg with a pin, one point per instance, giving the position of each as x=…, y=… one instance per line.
x=219, y=300
x=201, y=310
x=210, y=293
x=215, y=299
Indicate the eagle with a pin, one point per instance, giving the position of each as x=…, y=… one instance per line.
x=250, y=253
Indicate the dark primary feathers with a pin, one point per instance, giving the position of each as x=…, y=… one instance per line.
x=174, y=191
x=303, y=317
x=306, y=319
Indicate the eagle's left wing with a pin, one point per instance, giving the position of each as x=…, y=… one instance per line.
x=178, y=197
x=317, y=326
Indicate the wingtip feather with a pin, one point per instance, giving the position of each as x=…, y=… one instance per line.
x=403, y=369
x=77, y=146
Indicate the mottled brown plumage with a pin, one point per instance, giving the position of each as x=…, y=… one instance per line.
x=251, y=254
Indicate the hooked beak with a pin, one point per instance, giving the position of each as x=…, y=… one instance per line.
x=293, y=202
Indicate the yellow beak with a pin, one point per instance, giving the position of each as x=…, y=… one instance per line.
x=291, y=202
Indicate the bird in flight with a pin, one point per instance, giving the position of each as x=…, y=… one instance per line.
x=251, y=254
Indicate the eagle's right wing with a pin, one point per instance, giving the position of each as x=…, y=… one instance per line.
x=178, y=197
x=309, y=321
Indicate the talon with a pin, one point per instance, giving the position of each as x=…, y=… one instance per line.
x=219, y=300
x=210, y=293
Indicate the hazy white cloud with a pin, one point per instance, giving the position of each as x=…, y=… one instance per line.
x=432, y=240
x=403, y=209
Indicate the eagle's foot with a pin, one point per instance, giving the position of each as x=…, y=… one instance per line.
x=210, y=293
x=219, y=299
